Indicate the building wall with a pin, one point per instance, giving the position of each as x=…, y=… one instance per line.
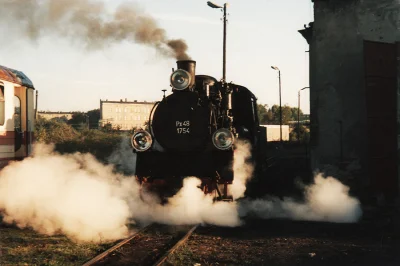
x=50, y=115
x=337, y=86
x=124, y=114
x=274, y=133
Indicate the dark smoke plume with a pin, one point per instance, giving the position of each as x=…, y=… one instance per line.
x=88, y=21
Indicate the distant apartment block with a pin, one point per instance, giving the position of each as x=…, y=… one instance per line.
x=125, y=115
x=49, y=115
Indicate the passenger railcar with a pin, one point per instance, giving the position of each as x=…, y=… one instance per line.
x=192, y=131
x=17, y=115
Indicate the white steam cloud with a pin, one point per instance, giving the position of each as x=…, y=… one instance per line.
x=71, y=194
x=190, y=206
x=123, y=157
x=325, y=200
x=87, y=201
x=243, y=170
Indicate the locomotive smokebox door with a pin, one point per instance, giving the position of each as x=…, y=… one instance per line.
x=180, y=123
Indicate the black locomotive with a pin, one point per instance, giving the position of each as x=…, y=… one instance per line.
x=192, y=131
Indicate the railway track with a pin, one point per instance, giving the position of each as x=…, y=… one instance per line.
x=149, y=246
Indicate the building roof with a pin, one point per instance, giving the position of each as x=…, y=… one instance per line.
x=121, y=101
x=15, y=76
x=52, y=112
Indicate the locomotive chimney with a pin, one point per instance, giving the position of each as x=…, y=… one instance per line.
x=189, y=66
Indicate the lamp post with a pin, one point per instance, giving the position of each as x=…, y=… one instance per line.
x=298, y=113
x=280, y=100
x=212, y=5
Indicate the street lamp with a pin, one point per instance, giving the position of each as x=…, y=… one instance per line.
x=280, y=99
x=212, y=5
x=298, y=113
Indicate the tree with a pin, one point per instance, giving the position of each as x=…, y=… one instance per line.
x=294, y=113
x=262, y=110
x=107, y=127
x=53, y=131
x=147, y=125
x=304, y=134
x=62, y=119
x=78, y=120
x=271, y=116
x=94, y=118
x=286, y=114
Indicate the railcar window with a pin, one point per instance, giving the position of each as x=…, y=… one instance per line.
x=2, y=106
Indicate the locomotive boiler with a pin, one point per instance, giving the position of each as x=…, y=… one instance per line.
x=192, y=131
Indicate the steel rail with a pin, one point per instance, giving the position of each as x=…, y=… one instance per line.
x=116, y=246
x=177, y=245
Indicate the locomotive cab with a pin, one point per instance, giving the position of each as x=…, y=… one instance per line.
x=192, y=131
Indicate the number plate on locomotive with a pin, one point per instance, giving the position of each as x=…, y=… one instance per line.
x=182, y=127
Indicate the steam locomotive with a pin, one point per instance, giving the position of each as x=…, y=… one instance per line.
x=192, y=131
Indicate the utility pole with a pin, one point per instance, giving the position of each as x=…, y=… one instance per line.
x=298, y=116
x=213, y=5
x=224, y=47
x=280, y=104
x=280, y=99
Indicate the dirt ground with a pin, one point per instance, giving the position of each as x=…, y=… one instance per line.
x=283, y=242
x=373, y=241
x=26, y=247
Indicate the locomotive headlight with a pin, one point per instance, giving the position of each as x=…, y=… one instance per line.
x=223, y=139
x=180, y=79
x=141, y=141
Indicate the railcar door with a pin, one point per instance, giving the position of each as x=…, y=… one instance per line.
x=22, y=121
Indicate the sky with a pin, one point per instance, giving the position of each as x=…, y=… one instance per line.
x=260, y=34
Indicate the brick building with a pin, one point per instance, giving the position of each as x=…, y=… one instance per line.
x=123, y=114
